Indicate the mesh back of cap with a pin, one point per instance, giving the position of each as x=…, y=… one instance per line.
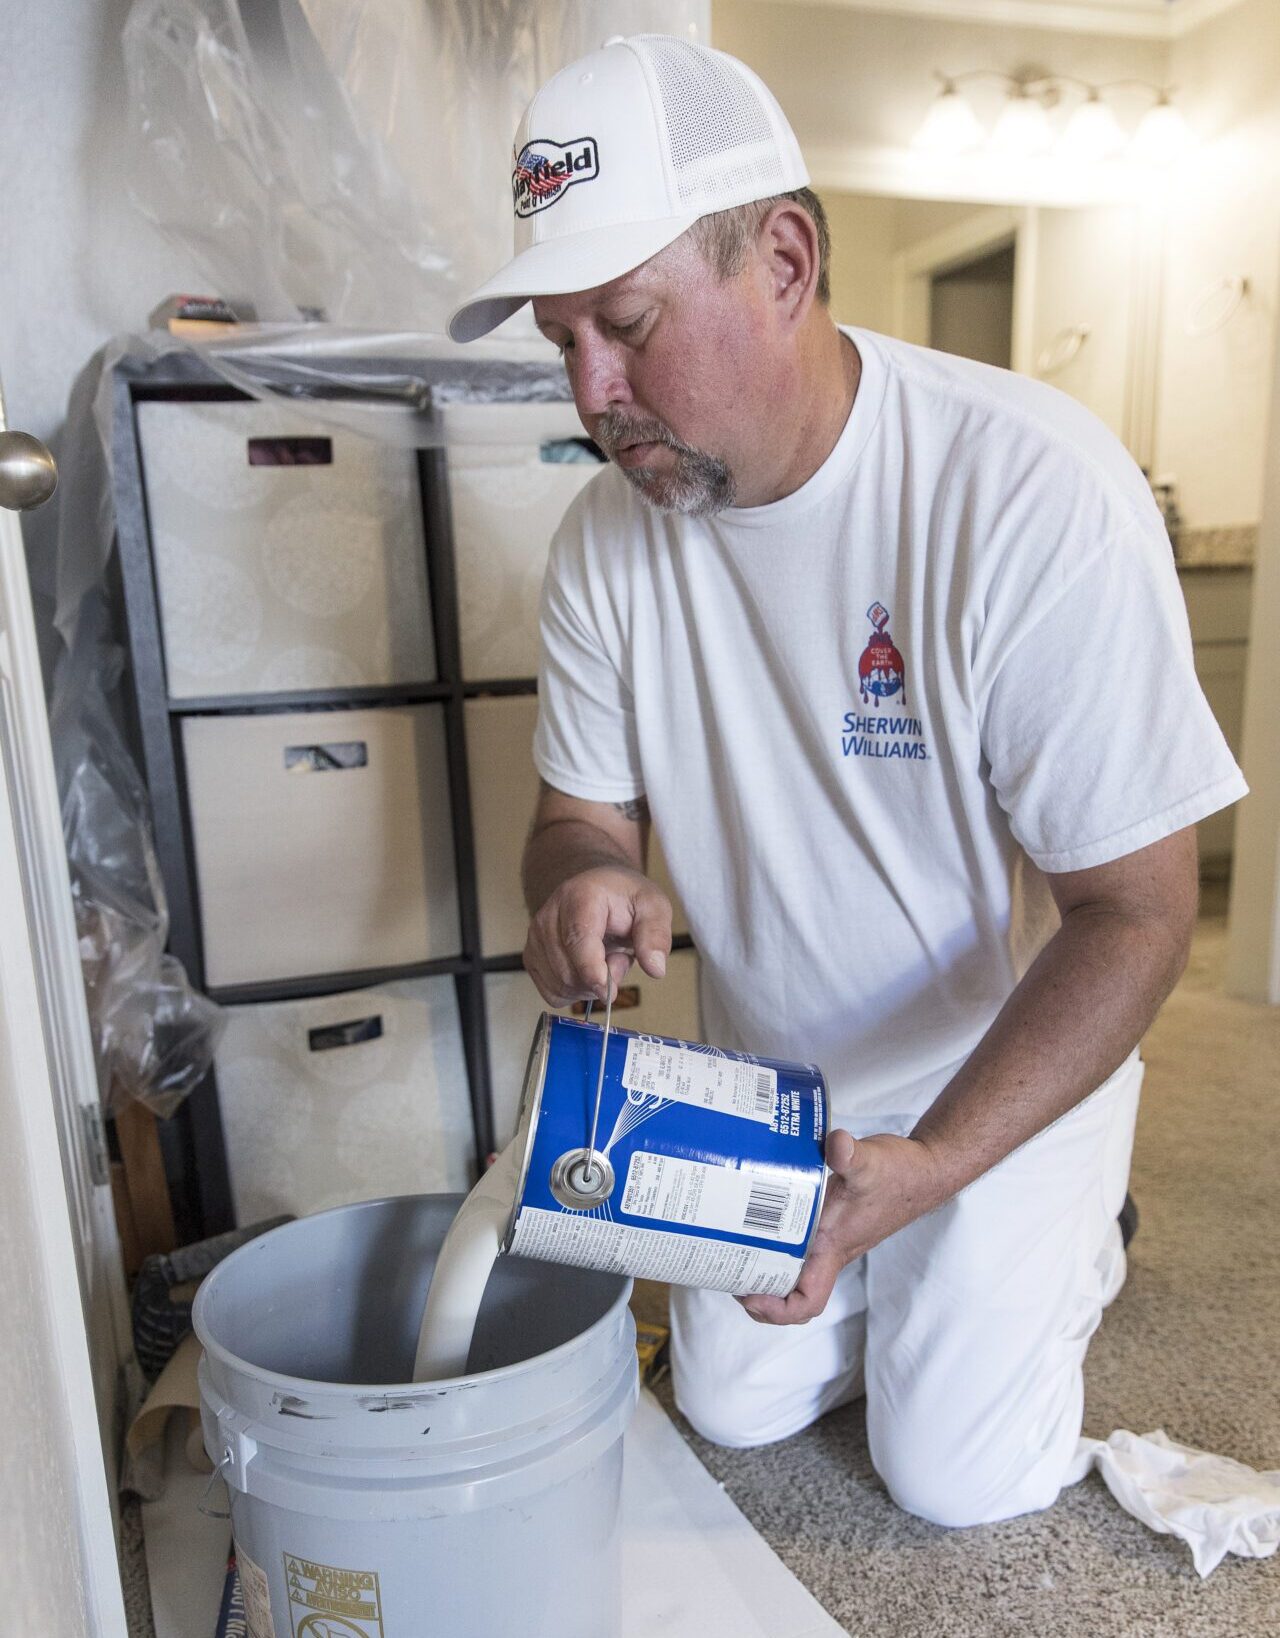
x=724, y=146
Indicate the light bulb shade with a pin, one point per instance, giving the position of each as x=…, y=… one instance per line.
x=1092, y=133
x=1163, y=137
x=1022, y=130
x=950, y=126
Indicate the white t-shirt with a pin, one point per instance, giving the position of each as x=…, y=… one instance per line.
x=867, y=716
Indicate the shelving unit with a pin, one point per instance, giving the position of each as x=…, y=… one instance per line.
x=194, y=1142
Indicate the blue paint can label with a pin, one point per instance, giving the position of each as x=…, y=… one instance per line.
x=708, y=1168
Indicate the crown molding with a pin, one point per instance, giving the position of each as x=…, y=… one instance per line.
x=1132, y=19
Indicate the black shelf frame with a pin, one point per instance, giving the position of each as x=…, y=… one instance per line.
x=192, y=1140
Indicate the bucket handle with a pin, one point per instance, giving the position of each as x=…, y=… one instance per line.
x=238, y=1450
x=204, y=1505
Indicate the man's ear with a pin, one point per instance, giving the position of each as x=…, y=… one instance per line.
x=788, y=246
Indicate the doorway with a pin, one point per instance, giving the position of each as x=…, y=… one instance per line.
x=971, y=307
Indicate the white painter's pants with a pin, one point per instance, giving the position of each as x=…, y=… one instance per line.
x=968, y=1328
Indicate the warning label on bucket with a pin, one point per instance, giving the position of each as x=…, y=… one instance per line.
x=328, y=1602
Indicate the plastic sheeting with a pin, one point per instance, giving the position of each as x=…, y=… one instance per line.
x=350, y=160
x=153, y=1034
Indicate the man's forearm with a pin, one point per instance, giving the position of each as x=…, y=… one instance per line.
x=1077, y=1014
x=563, y=848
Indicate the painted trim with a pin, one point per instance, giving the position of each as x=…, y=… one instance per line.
x=1130, y=19
x=1026, y=272
x=56, y=1268
x=1145, y=324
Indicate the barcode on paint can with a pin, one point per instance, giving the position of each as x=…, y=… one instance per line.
x=764, y=1092
x=765, y=1207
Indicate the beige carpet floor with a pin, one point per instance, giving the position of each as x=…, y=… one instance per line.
x=1190, y=1345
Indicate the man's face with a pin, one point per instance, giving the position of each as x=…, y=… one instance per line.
x=665, y=365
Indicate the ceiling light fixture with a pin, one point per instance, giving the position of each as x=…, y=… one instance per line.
x=1163, y=136
x=1093, y=134
x=950, y=126
x=1023, y=130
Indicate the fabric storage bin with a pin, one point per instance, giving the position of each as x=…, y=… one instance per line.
x=504, y=793
x=666, y=1006
x=323, y=841
x=507, y=494
x=288, y=554
x=346, y=1097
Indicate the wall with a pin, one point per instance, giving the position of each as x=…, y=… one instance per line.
x=1223, y=219
x=80, y=263
x=862, y=79
x=863, y=232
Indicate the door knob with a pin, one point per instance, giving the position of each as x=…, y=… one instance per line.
x=28, y=475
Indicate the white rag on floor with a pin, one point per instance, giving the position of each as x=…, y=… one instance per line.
x=1216, y=1505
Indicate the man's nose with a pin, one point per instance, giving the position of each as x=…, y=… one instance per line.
x=597, y=376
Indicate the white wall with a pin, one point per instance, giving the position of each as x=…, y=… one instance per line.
x=1223, y=219
x=79, y=263
x=849, y=78
x=863, y=235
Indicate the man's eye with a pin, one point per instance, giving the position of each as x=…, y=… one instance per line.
x=632, y=327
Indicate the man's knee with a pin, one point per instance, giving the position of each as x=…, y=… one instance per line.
x=721, y=1413
x=943, y=1488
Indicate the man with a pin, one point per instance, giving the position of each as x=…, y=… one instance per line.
x=890, y=648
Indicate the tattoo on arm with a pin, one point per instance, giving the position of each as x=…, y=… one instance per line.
x=637, y=808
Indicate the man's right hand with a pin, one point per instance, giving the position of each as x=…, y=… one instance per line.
x=591, y=928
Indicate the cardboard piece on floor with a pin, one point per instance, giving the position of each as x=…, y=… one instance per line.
x=691, y=1563
x=692, y=1566
x=186, y=1550
x=176, y=1390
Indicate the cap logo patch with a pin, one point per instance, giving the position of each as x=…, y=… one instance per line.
x=545, y=169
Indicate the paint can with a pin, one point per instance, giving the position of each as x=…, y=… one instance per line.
x=710, y=1171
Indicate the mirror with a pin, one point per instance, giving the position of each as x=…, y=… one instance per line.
x=1052, y=292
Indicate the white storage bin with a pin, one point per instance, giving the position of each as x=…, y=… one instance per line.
x=323, y=841
x=504, y=794
x=667, y=1006
x=346, y=1097
x=507, y=501
x=288, y=554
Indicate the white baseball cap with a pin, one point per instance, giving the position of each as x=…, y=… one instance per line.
x=618, y=154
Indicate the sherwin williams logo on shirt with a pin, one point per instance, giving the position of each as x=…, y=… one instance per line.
x=882, y=675
x=545, y=169
x=880, y=670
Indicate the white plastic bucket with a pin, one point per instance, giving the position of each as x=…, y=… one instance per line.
x=364, y=1505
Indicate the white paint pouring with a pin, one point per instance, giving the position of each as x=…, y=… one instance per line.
x=461, y=1277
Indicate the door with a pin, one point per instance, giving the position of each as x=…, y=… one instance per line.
x=61, y=1285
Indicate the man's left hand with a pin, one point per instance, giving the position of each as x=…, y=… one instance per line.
x=877, y=1186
